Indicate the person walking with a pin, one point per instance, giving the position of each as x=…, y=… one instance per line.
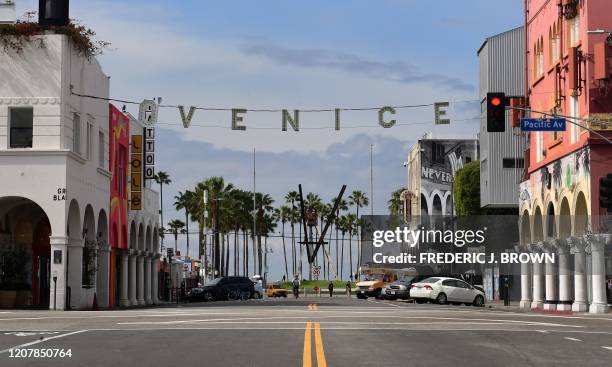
x=348, y=289
x=331, y=289
x=296, y=287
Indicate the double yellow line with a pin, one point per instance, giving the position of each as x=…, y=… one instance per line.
x=312, y=307
x=321, y=362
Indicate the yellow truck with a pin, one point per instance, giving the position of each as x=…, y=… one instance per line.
x=374, y=280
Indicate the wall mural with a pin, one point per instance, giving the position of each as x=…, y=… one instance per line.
x=566, y=173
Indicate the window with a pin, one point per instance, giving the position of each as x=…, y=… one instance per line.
x=539, y=59
x=573, y=31
x=76, y=133
x=539, y=152
x=574, y=130
x=555, y=43
x=101, y=149
x=449, y=283
x=513, y=163
x=437, y=153
x=21, y=127
x=89, y=140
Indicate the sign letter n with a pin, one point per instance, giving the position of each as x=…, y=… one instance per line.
x=186, y=119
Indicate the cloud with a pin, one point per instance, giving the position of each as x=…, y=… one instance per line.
x=400, y=72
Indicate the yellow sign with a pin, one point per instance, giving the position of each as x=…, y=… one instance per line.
x=136, y=200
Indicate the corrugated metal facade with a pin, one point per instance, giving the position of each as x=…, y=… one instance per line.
x=501, y=61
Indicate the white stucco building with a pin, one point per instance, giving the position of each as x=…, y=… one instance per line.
x=54, y=191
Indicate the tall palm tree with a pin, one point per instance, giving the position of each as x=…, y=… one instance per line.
x=263, y=210
x=162, y=178
x=175, y=226
x=359, y=200
x=291, y=198
x=182, y=201
x=198, y=210
x=217, y=191
x=395, y=203
x=342, y=206
x=282, y=215
x=351, y=223
x=341, y=225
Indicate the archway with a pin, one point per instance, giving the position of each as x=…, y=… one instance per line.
x=74, y=255
x=551, y=229
x=436, y=205
x=581, y=215
x=424, y=208
x=525, y=229
x=565, y=219
x=449, y=206
x=538, y=228
x=25, y=252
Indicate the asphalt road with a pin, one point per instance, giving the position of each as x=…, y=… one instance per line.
x=306, y=332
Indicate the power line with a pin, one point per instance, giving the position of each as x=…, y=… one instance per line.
x=273, y=110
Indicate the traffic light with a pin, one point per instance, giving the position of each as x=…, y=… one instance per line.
x=605, y=192
x=496, y=112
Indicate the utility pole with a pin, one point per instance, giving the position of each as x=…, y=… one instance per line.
x=217, y=257
x=371, y=179
x=254, y=208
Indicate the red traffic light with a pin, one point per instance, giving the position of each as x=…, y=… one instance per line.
x=496, y=101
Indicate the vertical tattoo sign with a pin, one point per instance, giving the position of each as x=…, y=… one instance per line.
x=148, y=117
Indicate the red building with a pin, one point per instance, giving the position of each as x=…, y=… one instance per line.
x=569, y=73
x=118, y=153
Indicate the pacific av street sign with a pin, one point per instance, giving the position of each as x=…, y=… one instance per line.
x=543, y=124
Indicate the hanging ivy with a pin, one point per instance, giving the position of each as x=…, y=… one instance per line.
x=14, y=37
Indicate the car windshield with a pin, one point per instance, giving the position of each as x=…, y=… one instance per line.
x=371, y=277
x=430, y=280
x=405, y=280
x=214, y=281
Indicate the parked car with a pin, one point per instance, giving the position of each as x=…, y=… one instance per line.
x=228, y=288
x=275, y=290
x=258, y=290
x=400, y=289
x=444, y=290
x=195, y=295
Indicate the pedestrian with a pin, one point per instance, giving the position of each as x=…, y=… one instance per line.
x=348, y=288
x=331, y=289
x=296, y=287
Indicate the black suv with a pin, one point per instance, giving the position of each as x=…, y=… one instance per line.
x=227, y=288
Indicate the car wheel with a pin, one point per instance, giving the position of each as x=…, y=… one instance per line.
x=478, y=301
x=233, y=294
x=208, y=297
x=441, y=299
x=257, y=295
x=285, y=295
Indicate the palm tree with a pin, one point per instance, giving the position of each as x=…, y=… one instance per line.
x=341, y=225
x=182, y=201
x=351, y=222
x=175, y=226
x=282, y=215
x=217, y=192
x=342, y=206
x=162, y=178
x=292, y=197
x=198, y=210
x=395, y=203
x=263, y=210
x=359, y=200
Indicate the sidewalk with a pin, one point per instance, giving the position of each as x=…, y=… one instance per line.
x=514, y=307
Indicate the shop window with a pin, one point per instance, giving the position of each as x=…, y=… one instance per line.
x=21, y=122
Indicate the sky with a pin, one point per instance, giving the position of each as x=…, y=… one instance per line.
x=288, y=54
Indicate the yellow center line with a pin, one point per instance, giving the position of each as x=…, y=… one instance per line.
x=321, y=362
x=307, y=348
